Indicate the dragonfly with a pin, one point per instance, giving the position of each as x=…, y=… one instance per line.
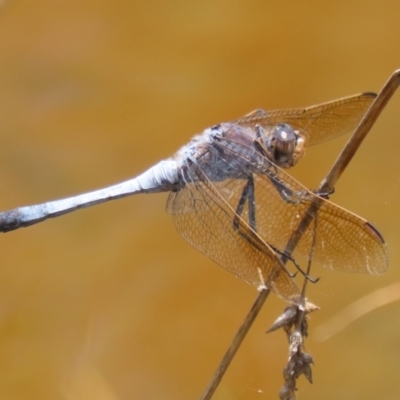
x=232, y=199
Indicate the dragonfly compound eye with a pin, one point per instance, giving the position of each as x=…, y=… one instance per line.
x=282, y=144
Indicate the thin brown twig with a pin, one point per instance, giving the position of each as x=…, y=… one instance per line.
x=361, y=132
x=326, y=186
x=236, y=342
x=366, y=304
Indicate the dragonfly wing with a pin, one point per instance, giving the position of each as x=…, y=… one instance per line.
x=340, y=239
x=204, y=212
x=317, y=123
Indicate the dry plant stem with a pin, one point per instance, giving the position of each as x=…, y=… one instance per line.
x=362, y=306
x=362, y=130
x=326, y=186
x=234, y=347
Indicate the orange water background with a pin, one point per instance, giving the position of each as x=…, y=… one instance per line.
x=110, y=303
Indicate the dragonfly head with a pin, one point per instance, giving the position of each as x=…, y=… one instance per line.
x=285, y=145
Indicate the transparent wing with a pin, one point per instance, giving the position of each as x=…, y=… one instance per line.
x=204, y=217
x=317, y=123
x=343, y=241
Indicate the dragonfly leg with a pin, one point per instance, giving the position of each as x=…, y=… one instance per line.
x=290, y=258
x=324, y=195
x=247, y=195
x=287, y=194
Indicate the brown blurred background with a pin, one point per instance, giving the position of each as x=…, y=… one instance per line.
x=110, y=302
